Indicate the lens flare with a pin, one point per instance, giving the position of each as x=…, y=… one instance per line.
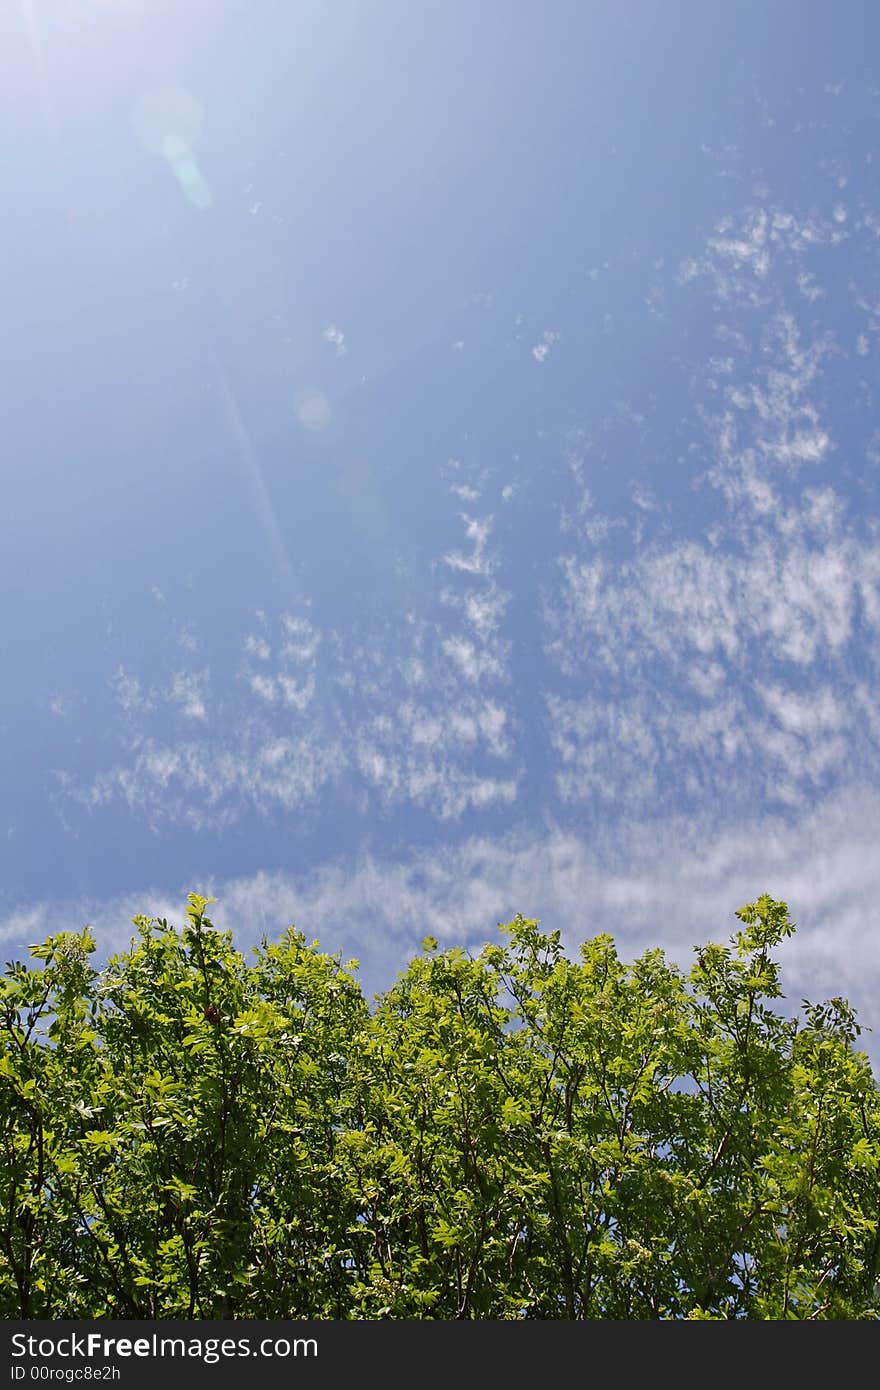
x=169, y=123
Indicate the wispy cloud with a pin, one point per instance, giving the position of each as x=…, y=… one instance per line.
x=709, y=601
x=257, y=647
x=541, y=350
x=28, y=926
x=477, y=531
x=336, y=336
x=739, y=257
x=737, y=658
x=672, y=882
x=465, y=492
x=284, y=690
x=420, y=716
x=187, y=692
x=208, y=784
x=131, y=699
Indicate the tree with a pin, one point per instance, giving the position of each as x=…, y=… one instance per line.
x=511, y=1134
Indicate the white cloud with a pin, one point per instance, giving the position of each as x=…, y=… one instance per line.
x=336, y=336
x=298, y=648
x=477, y=531
x=465, y=492
x=186, y=692
x=695, y=649
x=302, y=640
x=264, y=686
x=430, y=729
x=257, y=647
x=129, y=696
x=773, y=421
x=706, y=678
x=781, y=578
x=541, y=350
x=208, y=784
x=473, y=662
x=30, y=925
x=770, y=604
x=412, y=716
x=744, y=249
x=691, y=616
x=673, y=882
x=746, y=245
x=426, y=766
x=808, y=286
x=484, y=610
x=804, y=713
x=297, y=694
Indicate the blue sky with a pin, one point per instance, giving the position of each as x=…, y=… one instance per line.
x=440, y=474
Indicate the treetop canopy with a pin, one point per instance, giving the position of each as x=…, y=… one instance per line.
x=506, y=1134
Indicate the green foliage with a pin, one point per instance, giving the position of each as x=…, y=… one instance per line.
x=513, y=1134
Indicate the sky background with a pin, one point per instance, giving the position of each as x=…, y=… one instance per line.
x=440, y=472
